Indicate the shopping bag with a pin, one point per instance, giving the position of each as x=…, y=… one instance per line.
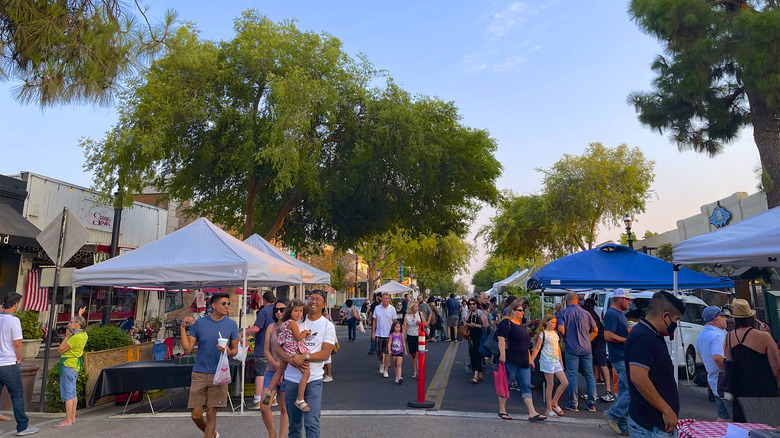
x=489, y=345
x=243, y=348
x=361, y=328
x=502, y=387
x=222, y=376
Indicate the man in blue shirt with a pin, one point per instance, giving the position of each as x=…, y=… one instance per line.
x=453, y=315
x=205, y=332
x=709, y=344
x=578, y=330
x=615, y=332
x=655, y=402
x=265, y=317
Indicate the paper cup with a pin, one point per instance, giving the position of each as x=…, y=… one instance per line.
x=222, y=342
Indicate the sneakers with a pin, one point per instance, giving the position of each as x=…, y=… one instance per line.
x=274, y=403
x=571, y=408
x=400, y=380
x=384, y=374
x=608, y=397
x=327, y=379
x=370, y=351
x=29, y=431
x=592, y=408
x=216, y=434
x=614, y=426
x=381, y=368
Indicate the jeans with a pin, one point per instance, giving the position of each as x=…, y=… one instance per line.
x=618, y=412
x=573, y=364
x=11, y=378
x=724, y=408
x=373, y=345
x=352, y=329
x=637, y=431
x=299, y=419
x=521, y=375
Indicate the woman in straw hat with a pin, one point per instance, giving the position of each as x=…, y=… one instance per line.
x=756, y=359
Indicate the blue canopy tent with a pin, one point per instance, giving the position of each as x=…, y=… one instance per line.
x=611, y=266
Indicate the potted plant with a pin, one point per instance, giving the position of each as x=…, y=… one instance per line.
x=32, y=334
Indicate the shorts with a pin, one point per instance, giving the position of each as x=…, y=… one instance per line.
x=397, y=355
x=203, y=392
x=381, y=344
x=549, y=366
x=600, y=354
x=452, y=321
x=267, y=377
x=260, y=364
x=411, y=344
x=68, y=383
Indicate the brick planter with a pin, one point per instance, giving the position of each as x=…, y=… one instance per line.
x=95, y=361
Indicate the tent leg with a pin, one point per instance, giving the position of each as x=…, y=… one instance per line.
x=72, y=301
x=674, y=344
x=243, y=360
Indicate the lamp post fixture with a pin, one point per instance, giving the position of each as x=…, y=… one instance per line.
x=627, y=220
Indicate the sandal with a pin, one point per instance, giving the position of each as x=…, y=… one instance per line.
x=267, y=399
x=474, y=380
x=537, y=417
x=63, y=424
x=301, y=404
x=504, y=416
x=481, y=379
x=552, y=414
x=558, y=410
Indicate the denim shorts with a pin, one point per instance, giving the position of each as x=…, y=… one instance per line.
x=68, y=383
x=521, y=375
x=267, y=377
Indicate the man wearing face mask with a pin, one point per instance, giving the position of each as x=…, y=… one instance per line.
x=655, y=402
x=710, y=345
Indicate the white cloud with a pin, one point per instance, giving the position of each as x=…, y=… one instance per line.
x=491, y=61
x=504, y=20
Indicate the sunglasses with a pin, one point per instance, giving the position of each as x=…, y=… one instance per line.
x=519, y=309
x=472, y=304
x=279, y=309
x=224, y=303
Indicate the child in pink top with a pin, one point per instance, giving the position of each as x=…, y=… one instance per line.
x=291, y=340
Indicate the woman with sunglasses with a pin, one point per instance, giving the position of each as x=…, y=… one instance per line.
x=271, y=334
x=514, y=344
x=476, y=321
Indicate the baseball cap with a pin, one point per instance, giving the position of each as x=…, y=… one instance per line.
x=622, y=293
x=319, y=292
x=711, y=312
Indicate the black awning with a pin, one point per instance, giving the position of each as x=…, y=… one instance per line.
x=16, y=230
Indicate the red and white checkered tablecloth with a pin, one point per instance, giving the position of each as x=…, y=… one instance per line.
x=690, y=428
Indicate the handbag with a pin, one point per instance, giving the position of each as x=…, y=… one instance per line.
x=502, y=386
x=243, y=349
x=361, y=328
x=222, y=376
x=336, y=347
x=489, y=345
x=464, y=332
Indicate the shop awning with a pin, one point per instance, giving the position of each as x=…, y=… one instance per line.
x=16, y=230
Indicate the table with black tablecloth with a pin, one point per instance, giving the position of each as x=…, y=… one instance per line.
x=149, y=375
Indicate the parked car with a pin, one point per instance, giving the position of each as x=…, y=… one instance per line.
x=688, y=328
x=357, y=302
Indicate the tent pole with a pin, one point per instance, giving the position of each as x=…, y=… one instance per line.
x=72, y=301
x=243, y=360
x=674, y=344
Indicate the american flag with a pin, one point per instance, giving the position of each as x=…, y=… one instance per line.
x=36, y=298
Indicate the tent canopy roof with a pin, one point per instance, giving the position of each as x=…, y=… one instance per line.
x=311, y=275
x=752, y=242
x=518, y=278
x=393, y=287
x=611, y=266
x=198, y=255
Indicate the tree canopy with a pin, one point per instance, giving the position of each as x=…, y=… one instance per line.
x=580, y=193
x=74, y=50
x=278, y=132
x=495, y=269
x=721, y=72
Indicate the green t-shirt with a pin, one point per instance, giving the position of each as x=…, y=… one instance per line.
x=76, y=350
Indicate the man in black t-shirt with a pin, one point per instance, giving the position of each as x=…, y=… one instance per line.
x=655, y=403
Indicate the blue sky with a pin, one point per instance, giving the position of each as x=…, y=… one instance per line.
x=544, y=78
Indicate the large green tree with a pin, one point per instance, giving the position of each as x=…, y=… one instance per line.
x=579, y=194
x=495, y=268
x=721, y=72
x=74, y=50
x=277, y=132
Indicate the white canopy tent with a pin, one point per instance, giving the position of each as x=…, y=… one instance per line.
x=392, y=288
x=196, y=256
x=752, y=242
x=310, y=274
x=518, y=278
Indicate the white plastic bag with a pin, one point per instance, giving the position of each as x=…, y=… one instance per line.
x=361, y=328
x=243, y=348
x=222, y=376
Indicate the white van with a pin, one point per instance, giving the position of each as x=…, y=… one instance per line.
x=688, y=328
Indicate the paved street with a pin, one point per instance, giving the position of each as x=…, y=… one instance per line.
x=361, y=402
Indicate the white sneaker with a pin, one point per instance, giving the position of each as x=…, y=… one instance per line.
x=274, y=403
x=327, y=379
x=385, y=374
x=29, y=431
x=216, y=434
x=381, y=368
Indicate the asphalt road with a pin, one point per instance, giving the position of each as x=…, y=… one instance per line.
x=361, y=402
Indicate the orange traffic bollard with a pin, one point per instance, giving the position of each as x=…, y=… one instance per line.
x=421, y=402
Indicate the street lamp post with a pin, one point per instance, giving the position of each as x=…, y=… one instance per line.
x=356, y=275
x=627, y=220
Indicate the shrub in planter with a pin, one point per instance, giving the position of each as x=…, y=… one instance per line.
x=53, y=401
x=105, y=338
x=31, y=328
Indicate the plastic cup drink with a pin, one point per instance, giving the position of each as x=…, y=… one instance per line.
x=222, y=342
